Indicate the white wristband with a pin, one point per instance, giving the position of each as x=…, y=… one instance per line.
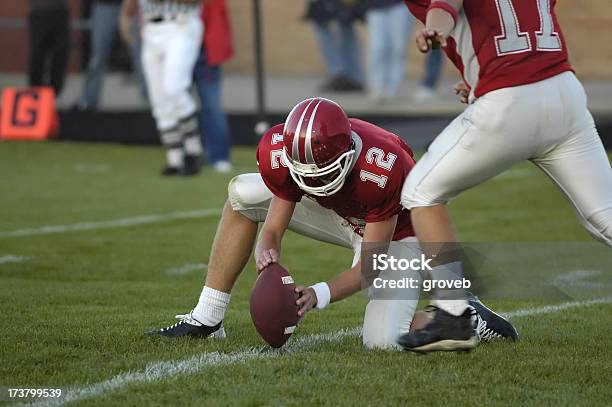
x=323, y=294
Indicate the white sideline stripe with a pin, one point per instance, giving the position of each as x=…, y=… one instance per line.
x=548, y=309
x=109, y=224
x=163, y=370
x=12, y=259
x=186, y=269
x=157, y=371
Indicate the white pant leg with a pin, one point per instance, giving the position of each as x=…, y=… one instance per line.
x=249, y=195
x=491, y=135
x=181, y=54
x=578, y=165
x=385, y=320
x=153, y=64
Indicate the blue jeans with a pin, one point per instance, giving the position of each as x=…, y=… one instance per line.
x=340, y=48
x=214, y=128
x=135, y=50
x=389, y=29
x=433, y=69
x=104, y=23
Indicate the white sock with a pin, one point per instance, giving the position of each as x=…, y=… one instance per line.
x=450, y=300
x=453, y=307
x=211, y=306
x=193, y=145
x=174, y=157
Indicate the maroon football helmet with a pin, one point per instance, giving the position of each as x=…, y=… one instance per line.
x=318, y=148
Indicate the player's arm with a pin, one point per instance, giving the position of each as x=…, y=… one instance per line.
x=268, y=246
x=441, y=19
x=348, y=282
x=129, y=8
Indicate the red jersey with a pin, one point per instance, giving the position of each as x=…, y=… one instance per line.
x=504, y=43
x=372, y=190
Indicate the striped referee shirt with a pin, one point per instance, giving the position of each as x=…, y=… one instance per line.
x=168, y=8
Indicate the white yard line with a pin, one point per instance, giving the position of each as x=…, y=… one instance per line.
x=164, y=370
x=158, y=371
x=12, y=259
x=549, y=309
x=92, y=168
x=109, y=224
x=186, y=269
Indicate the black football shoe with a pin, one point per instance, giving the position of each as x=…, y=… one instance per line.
x=169, y=171
x=489, y=324
x=446, y=332
x=189, y=326
x=192, y=165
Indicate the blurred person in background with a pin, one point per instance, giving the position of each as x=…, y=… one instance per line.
x=333, y=22
x=217, y=48
x=49, y=43
x=434, y=62
x=389, y=28
x=171, y=41
x=104, y=21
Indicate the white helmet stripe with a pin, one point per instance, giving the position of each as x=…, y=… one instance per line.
x=307, y=143
x=295, y=153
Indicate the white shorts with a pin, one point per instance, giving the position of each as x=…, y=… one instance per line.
x=548, y=123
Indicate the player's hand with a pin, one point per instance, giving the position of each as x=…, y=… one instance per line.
x=430, y=39
x=306, y=301
x=265, y=257
x=463, y=91
x=125, y=29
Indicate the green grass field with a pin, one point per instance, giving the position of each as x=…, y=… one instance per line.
x=76, y=303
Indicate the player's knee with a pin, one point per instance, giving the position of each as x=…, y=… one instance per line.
x=174, y=87
x=600, y=226
x=414, y=195
x=248, y=195
x=385, y=321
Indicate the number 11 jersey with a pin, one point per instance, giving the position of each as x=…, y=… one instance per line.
x=504, y=43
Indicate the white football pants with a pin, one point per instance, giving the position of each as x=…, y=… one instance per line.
x=169, y=52
x=385, y=320
x=548, y=123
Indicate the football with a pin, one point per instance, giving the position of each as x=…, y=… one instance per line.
x=273, y=308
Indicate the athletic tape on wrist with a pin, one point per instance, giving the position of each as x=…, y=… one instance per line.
x=323, y=294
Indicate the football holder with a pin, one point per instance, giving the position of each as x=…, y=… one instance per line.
x=28, y=114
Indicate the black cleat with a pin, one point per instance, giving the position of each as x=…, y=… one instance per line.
x=192, y=165
x=445, y=332
x=489, y=324
x=189, y=326
x=169, y=171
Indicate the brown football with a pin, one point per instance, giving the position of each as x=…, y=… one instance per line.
x=273, y=308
